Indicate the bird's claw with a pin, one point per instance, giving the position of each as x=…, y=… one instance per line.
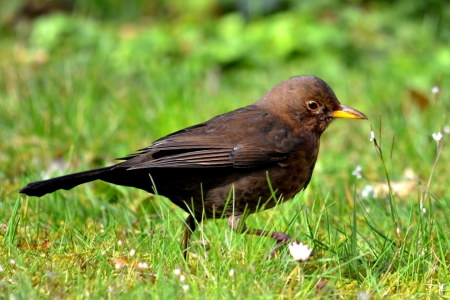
x=282, y=239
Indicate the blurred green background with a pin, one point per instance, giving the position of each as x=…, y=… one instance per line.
x=83, y=82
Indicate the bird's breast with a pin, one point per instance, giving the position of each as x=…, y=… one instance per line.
x=294, y=176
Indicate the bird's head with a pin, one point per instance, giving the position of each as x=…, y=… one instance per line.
x=307, y=100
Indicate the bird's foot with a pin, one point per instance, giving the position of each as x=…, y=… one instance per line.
x=281, y=239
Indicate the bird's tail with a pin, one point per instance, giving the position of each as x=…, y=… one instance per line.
x=66, y=182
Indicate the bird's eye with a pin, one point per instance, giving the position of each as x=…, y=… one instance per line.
x=312, y=105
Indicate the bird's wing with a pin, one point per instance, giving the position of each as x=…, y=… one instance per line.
x=243, y=138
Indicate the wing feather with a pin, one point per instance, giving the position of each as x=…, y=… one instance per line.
x=202, y=158
x=219, y=143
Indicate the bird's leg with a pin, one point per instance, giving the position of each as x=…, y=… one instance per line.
x=237, y=224
x=189, y=229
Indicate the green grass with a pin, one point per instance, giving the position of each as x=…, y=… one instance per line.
x=83, y=106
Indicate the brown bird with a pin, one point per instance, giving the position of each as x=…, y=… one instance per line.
x=222, y=167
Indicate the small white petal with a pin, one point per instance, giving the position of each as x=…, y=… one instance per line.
x=364, y=296
x=368, y=192
x=118, y=266
x=424, y=210
x=142, y=265
x=299, y=251
x=132, y=252
x=231, y=273
x=50, y=274
x=177, y=272
x=435, y=90
x=182, y=278
x=120, y=242
x=437, y=136
x=12, y=261
x=186, y=288
x=357, y=172
x=447, y=129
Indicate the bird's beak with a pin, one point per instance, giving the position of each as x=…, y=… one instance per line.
x=348, y=113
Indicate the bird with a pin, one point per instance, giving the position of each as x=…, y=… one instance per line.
x=232, y=165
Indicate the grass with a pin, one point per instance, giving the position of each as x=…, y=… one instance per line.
x=77, y=111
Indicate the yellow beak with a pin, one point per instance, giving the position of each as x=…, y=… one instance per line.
x=348, y=113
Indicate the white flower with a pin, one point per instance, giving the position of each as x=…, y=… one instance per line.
x=185, y=288
x=231, y=273
x=435, y=90
x=372, y=136
x=437, y=136
x=50, y=274
x=182, y=278
x=177, y=272
x=369, y=192
x=12, y=261
x=299, y=251
x=143, y=265
x=357, y=172
x=132, y=252
x=364, y=296
x=447, y=129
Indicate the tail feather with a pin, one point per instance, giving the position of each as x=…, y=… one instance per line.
x=66, y=182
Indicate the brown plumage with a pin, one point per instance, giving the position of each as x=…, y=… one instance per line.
x=230, y=157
